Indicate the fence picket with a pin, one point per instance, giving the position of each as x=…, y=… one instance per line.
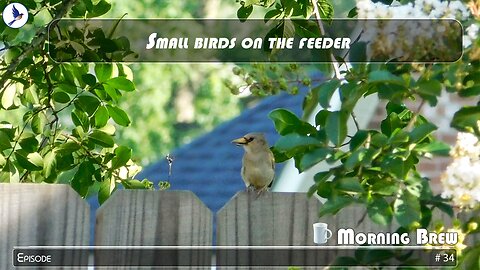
x=42, y=215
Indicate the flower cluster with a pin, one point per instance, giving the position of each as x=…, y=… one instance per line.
x=412, y=40
x=471, y=35
x=421, y=9
x=461, y=179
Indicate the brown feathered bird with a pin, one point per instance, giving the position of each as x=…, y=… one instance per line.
x=258, y=164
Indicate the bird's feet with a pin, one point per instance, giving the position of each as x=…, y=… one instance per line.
x=250, y=188
x=262, y=190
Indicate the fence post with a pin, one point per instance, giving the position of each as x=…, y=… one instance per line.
x=153, y=218
x=42, y=215
x=270, y=219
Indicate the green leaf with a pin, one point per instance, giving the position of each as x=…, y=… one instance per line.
x=8, y=96
x=350, y=94
x=29, y=161
x=429, y=88
x=414, y=186
x=101, y=116
x=112, y=92
x=89, y=79
x=83, y=178
x=101, y=138
x=321, y=118
x=69, y=88
x=390, y=124
x=118, y=115
x=336, y=127
x=49, y=166
x=358, y=139
x=68, y=148
x=385, y=188
x=122, y=156
x=335, y=204
x=293, y=141
x=380, y=211
x=80, y=119
x=4, y=141
x=28, y=142
x=421, y=132
x=379, y=140
x=396, y=166
x=470, y=91
x=348, y=184
x=466, y=119
x=88, y=104
x=326, y=9
x=442, y=205
x=311, y=158
x=39, y=121
x=407, y=209
x=435, y=148
x=61, y=97
x=270, y=14
x=121, y=83
x=383, y=76
x=9, y=173
x=107, y=186
x=3, y=161
x=99, y=9
x=103, y=72
x=354, y=159
x=31, y=94
x=471, y=258
x=136, y=184
x=326, y=91
x=287, y=122
x=244, y=12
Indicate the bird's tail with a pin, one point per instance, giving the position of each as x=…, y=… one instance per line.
x=10, y=23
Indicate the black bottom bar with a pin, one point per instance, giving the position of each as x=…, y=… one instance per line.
x=235, y=256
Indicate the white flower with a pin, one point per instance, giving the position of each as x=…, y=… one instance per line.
x=467, y=146
x=471, y=35
x=461, y=179
x=421, y=35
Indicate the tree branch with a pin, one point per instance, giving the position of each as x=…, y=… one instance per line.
x=415, y=114
x=322, y=32
x=39, y=39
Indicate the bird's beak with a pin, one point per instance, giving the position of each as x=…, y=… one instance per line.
x=240, y=141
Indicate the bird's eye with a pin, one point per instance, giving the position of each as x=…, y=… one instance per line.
x=249, y=139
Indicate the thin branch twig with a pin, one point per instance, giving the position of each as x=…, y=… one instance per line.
x=322, y=32
x=39, y=39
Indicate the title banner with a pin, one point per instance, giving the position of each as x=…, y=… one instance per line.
x=194, y=40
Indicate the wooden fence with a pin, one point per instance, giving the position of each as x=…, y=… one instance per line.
x=54, y=215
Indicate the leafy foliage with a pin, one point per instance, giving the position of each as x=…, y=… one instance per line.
x=70, y=111
x=376, y=168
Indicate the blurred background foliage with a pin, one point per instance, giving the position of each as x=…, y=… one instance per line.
x=172, y=103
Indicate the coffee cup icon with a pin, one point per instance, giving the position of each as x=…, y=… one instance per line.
x=321, y=233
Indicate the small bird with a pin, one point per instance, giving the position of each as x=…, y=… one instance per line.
x=16, y=15
x=258, y=164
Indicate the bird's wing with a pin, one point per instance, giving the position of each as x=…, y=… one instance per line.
x=15, y=11
x=272, y=159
